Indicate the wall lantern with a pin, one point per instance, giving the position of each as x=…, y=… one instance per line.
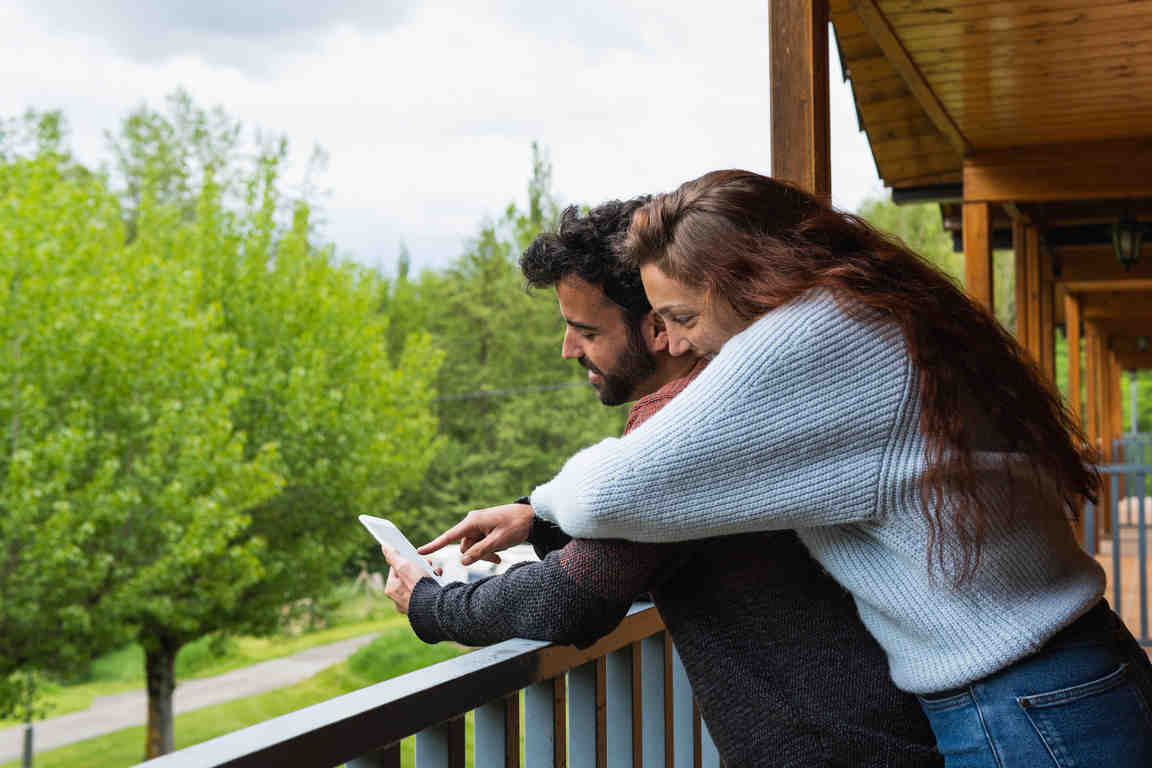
x=1127, y=235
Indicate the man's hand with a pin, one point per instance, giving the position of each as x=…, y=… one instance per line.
x=484, y=532
x=403, y=575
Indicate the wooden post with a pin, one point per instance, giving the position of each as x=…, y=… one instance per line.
x=1092, y=382
x=1047, y=338
x=1072, y=326
x=1037, y=320
x=1110, y=419
x=978, y=253
x=1115, y=378
x=798, y=90
x=1023, y=317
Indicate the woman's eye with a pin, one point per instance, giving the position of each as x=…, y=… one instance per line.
x=588, y=335
x=682, y=319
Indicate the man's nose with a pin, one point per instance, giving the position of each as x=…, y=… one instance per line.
x=570, y=348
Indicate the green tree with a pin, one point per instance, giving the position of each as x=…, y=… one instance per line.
x=921, y=228
x=199, y=414
x=314, y=378
x=120, y=442
x=510, y=409
x=46, y=589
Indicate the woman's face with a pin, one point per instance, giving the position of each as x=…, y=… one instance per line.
x=696, y=323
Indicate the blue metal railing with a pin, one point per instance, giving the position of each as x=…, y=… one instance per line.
x=622, y=702
x=1122, y=531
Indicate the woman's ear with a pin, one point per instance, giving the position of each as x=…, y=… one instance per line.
x=655, y=332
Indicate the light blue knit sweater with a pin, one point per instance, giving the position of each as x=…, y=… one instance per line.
x=810, y=419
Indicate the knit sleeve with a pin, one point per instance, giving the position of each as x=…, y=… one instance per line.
x=790, y=426
x=574, y=596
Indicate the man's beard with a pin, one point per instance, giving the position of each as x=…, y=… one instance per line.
x=633, y=366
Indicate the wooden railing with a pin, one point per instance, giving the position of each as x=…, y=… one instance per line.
x=625, y=701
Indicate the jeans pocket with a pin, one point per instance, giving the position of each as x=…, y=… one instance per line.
x=1103, y=722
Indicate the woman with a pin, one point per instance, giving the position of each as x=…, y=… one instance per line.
x=858, y=397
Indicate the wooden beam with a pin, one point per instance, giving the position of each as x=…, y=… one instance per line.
x=1119, y=306
x=1130, y=343
x=1135, y=360
x=1123, y=332
x=1072, y=331
x=978, y=253
x=1098, y=262
x=1103, y=286
x=878, y=28
x=798, y=91
x=1087, y=171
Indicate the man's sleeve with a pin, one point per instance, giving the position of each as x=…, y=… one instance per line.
x=573, y=596
x=544, y=536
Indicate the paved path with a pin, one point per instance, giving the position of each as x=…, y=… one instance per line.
x=121, y=710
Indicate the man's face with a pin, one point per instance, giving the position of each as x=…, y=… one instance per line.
x=597, y=336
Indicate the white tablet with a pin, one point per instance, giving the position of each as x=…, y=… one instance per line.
x=387, y=533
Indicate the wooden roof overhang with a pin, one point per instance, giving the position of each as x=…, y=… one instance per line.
x=1018, y=116
x=937, y=82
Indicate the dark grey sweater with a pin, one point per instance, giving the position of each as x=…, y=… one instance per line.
x=782, y=668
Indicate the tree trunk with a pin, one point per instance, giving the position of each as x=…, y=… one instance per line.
x=160, y=667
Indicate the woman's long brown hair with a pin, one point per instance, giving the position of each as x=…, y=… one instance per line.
x=761, y=243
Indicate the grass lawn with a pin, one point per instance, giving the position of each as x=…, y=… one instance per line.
x=123, y=670
x=396, y=652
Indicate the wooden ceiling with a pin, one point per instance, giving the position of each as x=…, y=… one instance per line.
x=936, y=80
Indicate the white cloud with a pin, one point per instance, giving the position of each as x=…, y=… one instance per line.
x=244, y=34
x=427, y=111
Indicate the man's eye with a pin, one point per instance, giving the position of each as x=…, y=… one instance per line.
x=588, y=335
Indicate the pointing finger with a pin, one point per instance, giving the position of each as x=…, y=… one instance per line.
x=452, y=534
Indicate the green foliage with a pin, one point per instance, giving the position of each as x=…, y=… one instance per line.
x=1144, y=400
x=396, y=652
x=510, y=409
x=192, y=415
x=119, y=445
x=921, y=229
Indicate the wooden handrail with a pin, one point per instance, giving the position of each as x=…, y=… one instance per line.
x=371, y=719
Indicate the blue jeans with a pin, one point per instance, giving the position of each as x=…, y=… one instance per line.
x=1084, y=700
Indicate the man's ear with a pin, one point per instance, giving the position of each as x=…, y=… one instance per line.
x=655, y=332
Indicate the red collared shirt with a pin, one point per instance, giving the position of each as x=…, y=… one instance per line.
x=647, y=406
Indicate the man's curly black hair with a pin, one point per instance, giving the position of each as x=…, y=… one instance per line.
x=585, y=246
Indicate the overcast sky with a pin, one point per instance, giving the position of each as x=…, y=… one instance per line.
x=428, y=109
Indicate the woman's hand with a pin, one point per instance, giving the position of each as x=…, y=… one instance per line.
x=403, y=575
x=484, y=532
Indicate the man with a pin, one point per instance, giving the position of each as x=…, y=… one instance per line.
x=782, y=669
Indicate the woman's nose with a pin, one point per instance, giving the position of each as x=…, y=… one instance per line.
x=678, y=345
